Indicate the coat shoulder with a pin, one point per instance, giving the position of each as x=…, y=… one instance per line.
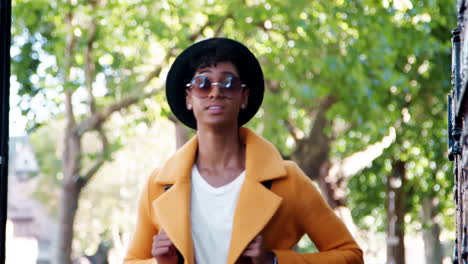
x=294, y=179
x=154, y=175
x=293, y=170
x=299, y=181
x=290, y=165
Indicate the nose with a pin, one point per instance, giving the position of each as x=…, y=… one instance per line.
x=215, y=91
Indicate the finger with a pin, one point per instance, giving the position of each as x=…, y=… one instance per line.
x=162, y=243
x=254, y=252
x=160, y=238
x=155, y=238
x=160, y=251
x=254, y=244
x=258, y=239
x=162, y=234
x=250, y=254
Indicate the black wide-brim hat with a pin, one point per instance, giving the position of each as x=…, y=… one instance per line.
x=183, y=70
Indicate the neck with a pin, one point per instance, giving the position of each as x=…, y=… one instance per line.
x=220, y=149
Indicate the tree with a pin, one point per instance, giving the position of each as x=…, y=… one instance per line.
x=419, y=110
x=85, y=62
x=336, y=78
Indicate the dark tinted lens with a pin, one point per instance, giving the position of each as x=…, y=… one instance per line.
x=201, y=85
x=201, y=82
x=230, y=86
x=227, y=82
x=232, y=83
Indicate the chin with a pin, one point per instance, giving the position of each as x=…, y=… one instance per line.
x=217, y=124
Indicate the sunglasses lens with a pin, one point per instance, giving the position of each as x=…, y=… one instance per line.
x=227, y=83
x=232, y=86
x=200, y=82
x=201, y=86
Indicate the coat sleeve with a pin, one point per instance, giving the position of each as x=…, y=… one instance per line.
x=139, y=250
x=315, y=218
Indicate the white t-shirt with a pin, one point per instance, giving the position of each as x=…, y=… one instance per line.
x=212, y=211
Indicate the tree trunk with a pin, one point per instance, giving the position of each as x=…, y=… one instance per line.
x=330, y=188
x=432, y=247
x=312, y=155
x=395, y=214
x=68, y=206
x=102, y=253
x=71, y=188
x=311, y=152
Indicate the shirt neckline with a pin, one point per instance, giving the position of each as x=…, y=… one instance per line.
x=221, y=189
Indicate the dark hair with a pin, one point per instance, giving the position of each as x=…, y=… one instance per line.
x=215, y=54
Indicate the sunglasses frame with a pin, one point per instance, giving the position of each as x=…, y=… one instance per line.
x=220, y=84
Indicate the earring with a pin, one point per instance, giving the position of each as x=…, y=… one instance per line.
x=243, y=106
x=189, y=107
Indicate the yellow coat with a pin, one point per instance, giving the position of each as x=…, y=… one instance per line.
x=291, y=208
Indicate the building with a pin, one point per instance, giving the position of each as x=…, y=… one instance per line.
x=30, y=231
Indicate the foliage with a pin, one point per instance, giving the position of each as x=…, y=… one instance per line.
x=384, y=63
x=419, y=107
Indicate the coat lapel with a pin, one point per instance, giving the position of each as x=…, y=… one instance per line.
x=255, y=207
x=172, y=208
x=256, y=204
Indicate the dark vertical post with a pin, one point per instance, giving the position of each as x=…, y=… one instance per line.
x=5, y=38
x=456, y=82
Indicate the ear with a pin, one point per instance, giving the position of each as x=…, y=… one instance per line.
x=188, y=99
x=245, y=96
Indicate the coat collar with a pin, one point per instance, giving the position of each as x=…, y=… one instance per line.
x=263, y=161
x=255, y=207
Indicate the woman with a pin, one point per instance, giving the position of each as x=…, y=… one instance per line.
x=227, y=196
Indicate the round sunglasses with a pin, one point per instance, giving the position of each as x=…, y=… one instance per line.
x=201, y=86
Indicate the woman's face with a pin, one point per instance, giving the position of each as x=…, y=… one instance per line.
x=215, y=106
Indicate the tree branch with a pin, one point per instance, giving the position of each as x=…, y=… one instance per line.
x=98, y=118
x=359, y=160
x=70, y=47
x=89, y=65
x=100, y=160
x=208, y=23
x=221, y=25
x=293, y=129
x=156, y=71
x=195, y=35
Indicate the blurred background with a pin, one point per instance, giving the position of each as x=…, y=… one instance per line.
x=355, y=93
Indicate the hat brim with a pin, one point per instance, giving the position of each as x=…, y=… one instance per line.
x=181, y=73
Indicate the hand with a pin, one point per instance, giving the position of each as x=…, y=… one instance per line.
x=163, y=249
x=256, y=252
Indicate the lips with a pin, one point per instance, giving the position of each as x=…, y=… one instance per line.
x=215, y=108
